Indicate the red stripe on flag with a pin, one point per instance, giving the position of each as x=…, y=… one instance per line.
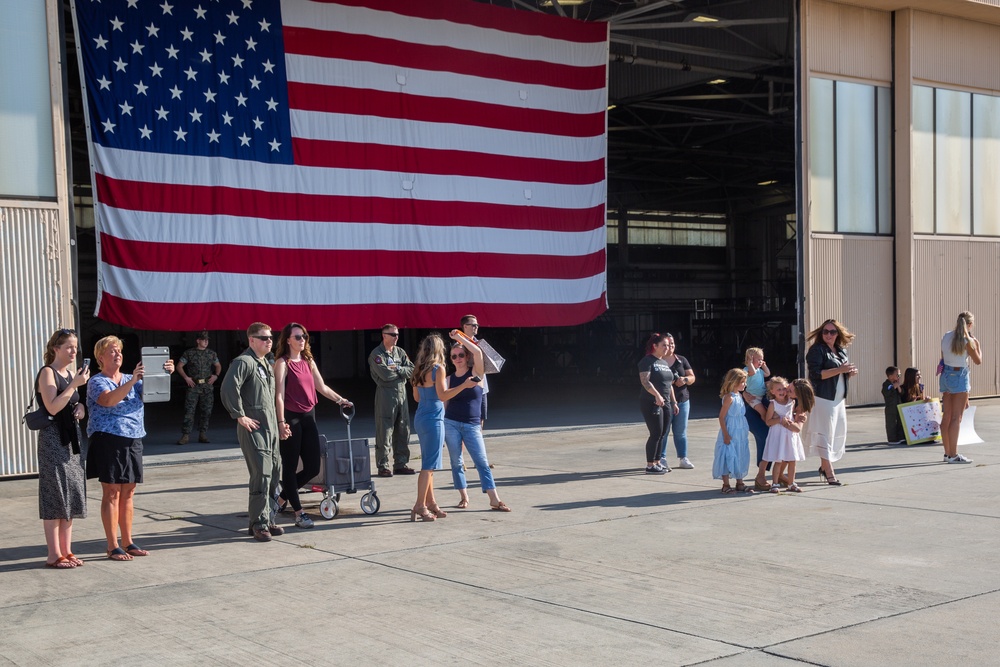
x=214, y=200
x=386, y=51
x=347, y=155
x=305, y=262
x=362, y=102
x=486, y=16
x=216, y=315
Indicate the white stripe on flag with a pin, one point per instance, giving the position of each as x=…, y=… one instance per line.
x=229, y=230
x=155, y=287
x=447, y=85
x=445, y=136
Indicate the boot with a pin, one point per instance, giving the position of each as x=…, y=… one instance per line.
x=183, y=440
x=203, y=437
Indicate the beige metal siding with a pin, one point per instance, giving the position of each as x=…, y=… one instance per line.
x=952, y=275
x=36, y=301
x=852, y=283
x=952, y=51
x=36, y=280
x=849, y=41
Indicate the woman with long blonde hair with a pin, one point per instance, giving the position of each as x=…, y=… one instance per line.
x=957, y=348
x=430, y=390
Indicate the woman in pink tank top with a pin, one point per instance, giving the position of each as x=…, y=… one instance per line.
x=297, y=384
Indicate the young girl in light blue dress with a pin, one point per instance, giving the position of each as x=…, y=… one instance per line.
x=732, y=447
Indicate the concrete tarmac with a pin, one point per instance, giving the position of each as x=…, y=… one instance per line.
x=598, y=563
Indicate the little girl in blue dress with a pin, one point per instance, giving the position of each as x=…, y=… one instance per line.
x=732, y=447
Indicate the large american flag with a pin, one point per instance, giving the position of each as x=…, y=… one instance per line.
x=344, y=163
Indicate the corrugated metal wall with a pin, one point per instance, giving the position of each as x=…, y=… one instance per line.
x=954, y=52
x=952, y=275
x=37, y=291
x=36, y=279
x=852, y=283
x=850, y=42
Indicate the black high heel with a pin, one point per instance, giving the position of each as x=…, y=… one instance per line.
x=832, y=481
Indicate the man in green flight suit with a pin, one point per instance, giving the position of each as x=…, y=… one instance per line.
x=391, y=368
x=248, y=394
x=200, y=368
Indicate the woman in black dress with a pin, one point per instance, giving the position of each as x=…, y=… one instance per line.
x=62, y=489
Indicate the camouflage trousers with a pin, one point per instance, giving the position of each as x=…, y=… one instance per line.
x=199, y=396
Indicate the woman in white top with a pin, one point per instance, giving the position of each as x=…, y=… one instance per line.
x=957, y=347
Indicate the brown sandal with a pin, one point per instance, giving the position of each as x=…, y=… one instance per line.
x=462, y=504
x=73, y=559
x=742, y=488
x=61, y=563
x=726, y=489
x=761, y=486
x=500, y=507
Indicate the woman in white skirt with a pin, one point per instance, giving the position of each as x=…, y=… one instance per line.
x=829, y=370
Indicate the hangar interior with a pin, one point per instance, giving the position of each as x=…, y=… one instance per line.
x=701, y=197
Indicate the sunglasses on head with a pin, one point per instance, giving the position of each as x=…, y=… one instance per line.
x=67, y=332
x=269, y=339
x=299, y=336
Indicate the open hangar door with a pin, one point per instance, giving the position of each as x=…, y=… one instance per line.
x=701, y=177
x=701, y=198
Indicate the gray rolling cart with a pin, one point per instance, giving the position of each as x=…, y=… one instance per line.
x=345, y=468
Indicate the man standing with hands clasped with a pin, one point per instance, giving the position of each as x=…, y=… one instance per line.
x=391, y=368
x=248, y=394
x=200, y=368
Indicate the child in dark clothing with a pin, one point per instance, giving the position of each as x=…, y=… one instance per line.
x=890, y=392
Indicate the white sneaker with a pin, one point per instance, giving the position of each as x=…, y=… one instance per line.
x=685, y=464
x=958, y=458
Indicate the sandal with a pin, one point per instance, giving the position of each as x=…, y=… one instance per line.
x=462, y=504
x=761, y=486
x=726, y=489
x=775, y=488
x=742, y=488
x=437, y=511
x=134, y=550
x=73, y=559
x=500, y=507
x=61, y=563
x=794, y=488
x=118, y=554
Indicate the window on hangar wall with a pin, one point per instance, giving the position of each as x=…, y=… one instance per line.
x=850, y=164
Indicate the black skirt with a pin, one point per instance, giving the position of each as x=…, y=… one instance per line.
x=114, y=459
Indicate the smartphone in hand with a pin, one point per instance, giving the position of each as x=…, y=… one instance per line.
x=86, y=364
x=476, y=378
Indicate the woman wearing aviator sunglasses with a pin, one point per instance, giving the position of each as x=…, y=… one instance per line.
x=297, y=382
x=829, y=371
x=463, y=422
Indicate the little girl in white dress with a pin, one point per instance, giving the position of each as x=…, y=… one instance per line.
x=784, y=444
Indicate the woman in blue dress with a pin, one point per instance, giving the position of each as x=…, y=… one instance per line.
x=430, y=391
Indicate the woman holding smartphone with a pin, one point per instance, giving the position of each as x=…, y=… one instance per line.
x=62, y=483
x=116, y=430
x=463, y=422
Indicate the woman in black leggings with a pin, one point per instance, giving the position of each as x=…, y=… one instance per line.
x=657, y=400
x=297, y=383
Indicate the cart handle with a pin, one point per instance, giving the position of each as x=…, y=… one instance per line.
x=347, y=412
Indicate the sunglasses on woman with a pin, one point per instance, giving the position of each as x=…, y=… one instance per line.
x=299, y=337
x=458, y=356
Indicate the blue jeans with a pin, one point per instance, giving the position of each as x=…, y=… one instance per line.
x=455, y=433
x=679, y=424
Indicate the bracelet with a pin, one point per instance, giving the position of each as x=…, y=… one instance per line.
x=282, y=421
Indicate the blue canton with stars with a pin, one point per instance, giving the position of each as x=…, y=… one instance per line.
x=196, y=77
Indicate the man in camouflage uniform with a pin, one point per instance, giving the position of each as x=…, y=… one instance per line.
x=391, y=368
x=200, y=368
